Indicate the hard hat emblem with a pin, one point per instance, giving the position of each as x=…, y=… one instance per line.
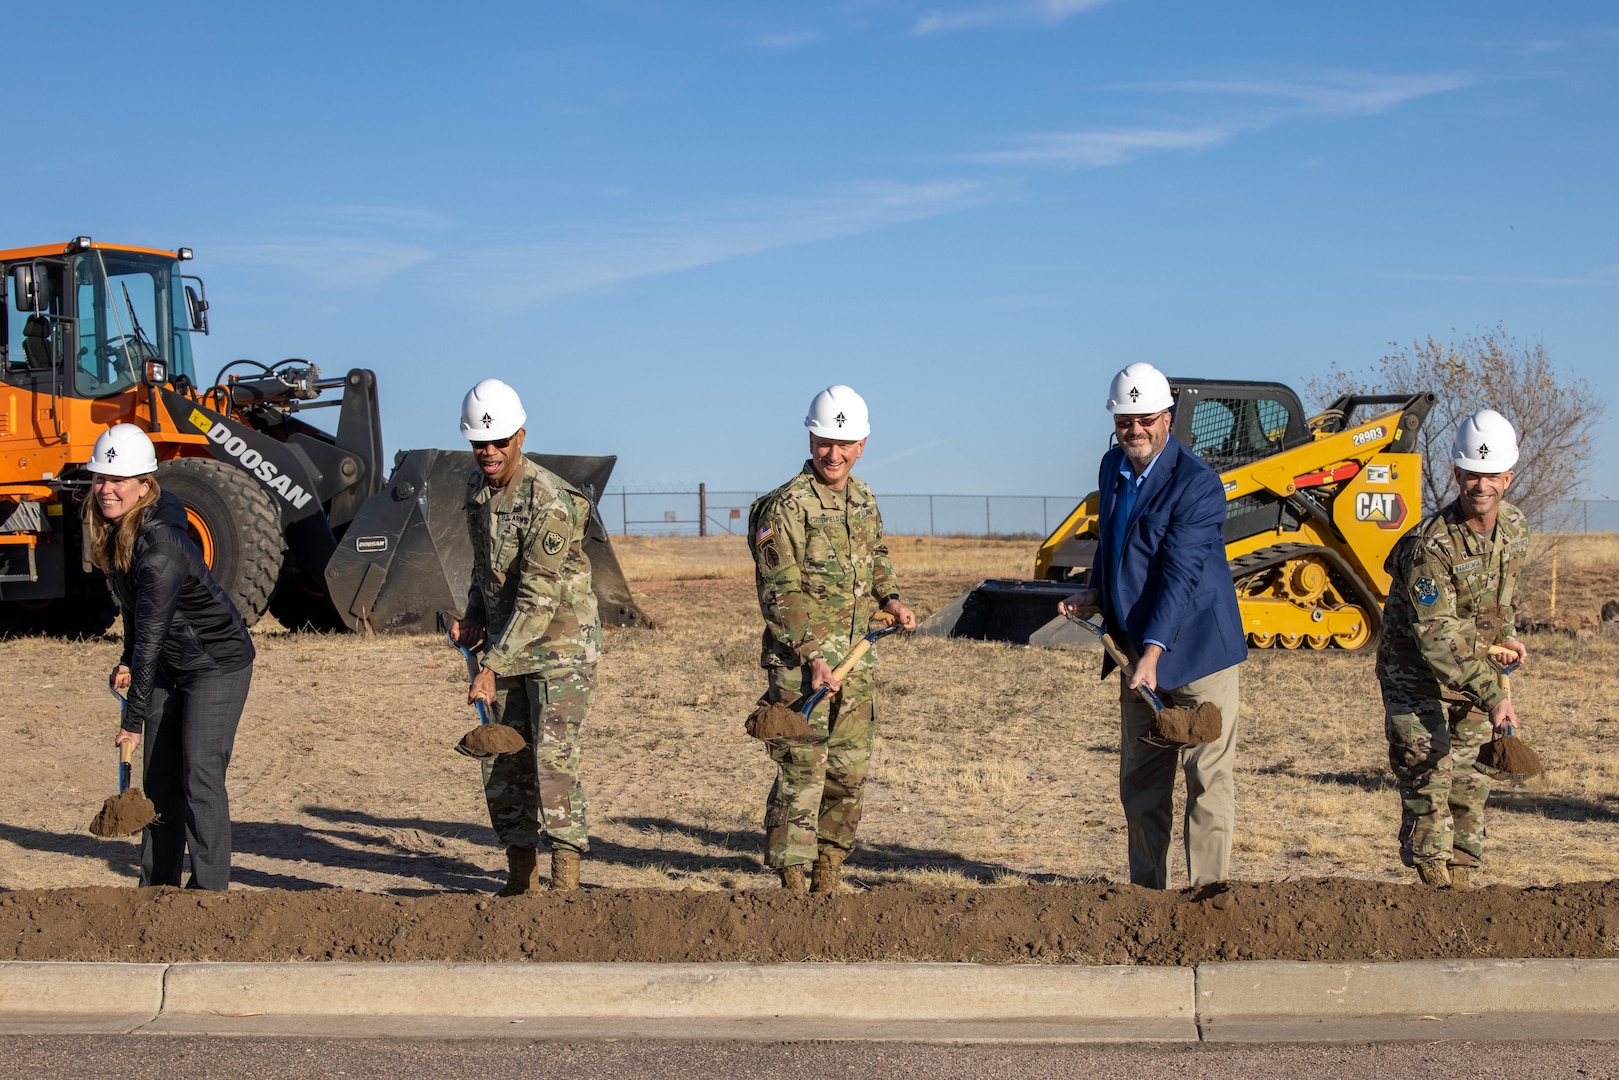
x=1483, y=451
x=112, y=452
x=487, y=419
x=1135, y=394
x=840, y=418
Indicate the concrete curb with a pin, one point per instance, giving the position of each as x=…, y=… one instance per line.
x=1247, y=1001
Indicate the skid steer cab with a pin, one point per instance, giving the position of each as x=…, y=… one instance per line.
x=93, y=335
x=1313, y=507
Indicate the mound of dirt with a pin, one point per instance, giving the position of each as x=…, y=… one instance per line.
x=124, y=814
x=1325, y=919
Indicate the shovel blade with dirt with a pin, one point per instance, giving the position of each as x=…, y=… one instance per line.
x=1174, y=727
x=1505, y=756
x=488, y=739
x=775, y=720
x=127, y=812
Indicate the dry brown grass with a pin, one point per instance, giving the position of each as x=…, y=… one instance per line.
x=691, y=558
x=994, y=764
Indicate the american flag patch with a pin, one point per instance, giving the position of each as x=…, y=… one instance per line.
x=766, y=531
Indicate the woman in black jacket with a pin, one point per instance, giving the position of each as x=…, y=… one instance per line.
x=187, y=659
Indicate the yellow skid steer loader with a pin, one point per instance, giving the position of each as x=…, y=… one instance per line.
x=1313, y=506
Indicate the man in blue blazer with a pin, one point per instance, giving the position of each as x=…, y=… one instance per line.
x=1161, y=581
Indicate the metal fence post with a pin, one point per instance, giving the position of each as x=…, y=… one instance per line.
x=702, y=509
x=624, y=506
x=987, y=530
x=930, y=515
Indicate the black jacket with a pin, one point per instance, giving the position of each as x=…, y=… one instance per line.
x=178, y=623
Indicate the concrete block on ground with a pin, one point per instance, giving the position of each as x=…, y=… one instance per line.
x=46, y=997
x=726, y=1000
x=1421, y=999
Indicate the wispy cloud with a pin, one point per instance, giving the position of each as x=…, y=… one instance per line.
x=1096, y=149
x=340, y=262
x=1247, y=107
x=581, y=259
x=1039, y=12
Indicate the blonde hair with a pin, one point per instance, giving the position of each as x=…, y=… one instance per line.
x=111, y=544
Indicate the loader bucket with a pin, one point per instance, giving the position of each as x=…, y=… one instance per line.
x=407, y=556
x=1007, y=609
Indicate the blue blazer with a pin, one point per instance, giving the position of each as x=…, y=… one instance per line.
x=1174, y=583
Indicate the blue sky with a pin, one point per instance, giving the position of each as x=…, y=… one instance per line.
x=668, y=225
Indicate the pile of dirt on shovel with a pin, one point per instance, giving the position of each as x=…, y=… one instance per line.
x=1327, y=919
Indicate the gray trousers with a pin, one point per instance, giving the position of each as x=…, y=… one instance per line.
x=1147, y=785
x=190, y=733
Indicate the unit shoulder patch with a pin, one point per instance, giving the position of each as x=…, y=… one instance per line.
x=553, y=542
x=1425, y=591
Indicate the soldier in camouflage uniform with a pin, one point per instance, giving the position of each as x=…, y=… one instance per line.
x=823, y=576
x=1449, y=601
x=531, y=605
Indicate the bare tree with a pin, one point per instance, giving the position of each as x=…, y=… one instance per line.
x=1553, y=413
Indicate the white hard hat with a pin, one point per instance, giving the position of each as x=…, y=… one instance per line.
x=1485, y=443
x=123, y=450
x=491, y=411
x=1139, y=389
x=838, y=413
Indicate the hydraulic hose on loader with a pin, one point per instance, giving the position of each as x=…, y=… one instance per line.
x=407, y=555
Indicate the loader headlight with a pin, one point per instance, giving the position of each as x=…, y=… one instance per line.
x=185, y=254
x=157, y=372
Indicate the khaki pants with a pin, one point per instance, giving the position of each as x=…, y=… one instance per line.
x=1147, y=785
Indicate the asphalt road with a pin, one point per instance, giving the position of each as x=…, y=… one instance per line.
x=85, y=1057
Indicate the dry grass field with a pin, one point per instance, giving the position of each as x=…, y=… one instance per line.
x=994, y=764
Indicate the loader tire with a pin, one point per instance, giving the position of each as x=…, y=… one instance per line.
x=301, y=607
x=235, y=524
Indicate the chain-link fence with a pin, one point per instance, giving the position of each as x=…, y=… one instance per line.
x=717, y=513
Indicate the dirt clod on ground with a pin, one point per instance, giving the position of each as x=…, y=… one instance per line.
x=488, y=739
x=1337, y=919
x=776, y=721
x=124, y=814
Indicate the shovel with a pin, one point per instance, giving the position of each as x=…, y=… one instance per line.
x=776, y=721
x=1173, y=728
x=129, y=811
x=488, y=739
x=1506, y=756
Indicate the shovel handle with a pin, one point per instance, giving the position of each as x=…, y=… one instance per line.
x=1126, y=668
x=860, y=649
x=472, y=673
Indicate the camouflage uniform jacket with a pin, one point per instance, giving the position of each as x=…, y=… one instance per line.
x=530, y=575
x=822, y=569
x=1451, y=598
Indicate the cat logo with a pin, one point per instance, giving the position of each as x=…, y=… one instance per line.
x=1385, y=509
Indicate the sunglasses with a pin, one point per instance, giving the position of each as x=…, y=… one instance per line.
x=498, y=444
x=1125, y=423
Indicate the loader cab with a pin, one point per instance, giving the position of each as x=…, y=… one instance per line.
x=1232, y=424
x=93, y=322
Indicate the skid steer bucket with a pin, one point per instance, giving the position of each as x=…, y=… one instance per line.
x=406, y=556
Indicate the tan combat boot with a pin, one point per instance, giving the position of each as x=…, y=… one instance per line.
x=792, y=879
x=1434, y=873
x=1461, y=875
x=522, y=871
x=564, y=868
x=824, y=874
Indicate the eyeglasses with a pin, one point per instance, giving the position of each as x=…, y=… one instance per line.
x=1125, y=423
x=498, y=444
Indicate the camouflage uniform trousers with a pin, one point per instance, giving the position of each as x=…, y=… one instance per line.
x=534, y=796
x=817, y=797
x=1433, y=745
